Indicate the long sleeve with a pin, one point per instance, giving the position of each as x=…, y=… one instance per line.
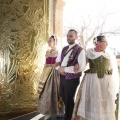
x=58, y=59
x=81, y=62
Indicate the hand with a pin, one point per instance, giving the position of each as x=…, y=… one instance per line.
x=49, y=65
x=76, y=68
x=56, y=64
x=74, y=118
x=63, y=73
x=61, y=70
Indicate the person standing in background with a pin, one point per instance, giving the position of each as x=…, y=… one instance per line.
x=49, y=97
x=97, y=93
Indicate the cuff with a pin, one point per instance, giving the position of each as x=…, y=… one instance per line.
x=57, y=67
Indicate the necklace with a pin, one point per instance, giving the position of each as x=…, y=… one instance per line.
x=51, y=53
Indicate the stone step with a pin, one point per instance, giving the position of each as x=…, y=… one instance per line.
x=30, y=116
x=34, y=116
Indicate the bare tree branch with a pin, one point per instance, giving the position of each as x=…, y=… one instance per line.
x=98, y=29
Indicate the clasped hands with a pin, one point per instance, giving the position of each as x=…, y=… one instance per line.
x=61, y=70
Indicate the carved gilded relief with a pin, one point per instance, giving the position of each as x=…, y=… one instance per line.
x=23, y=37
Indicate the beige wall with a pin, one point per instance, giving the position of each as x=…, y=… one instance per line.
x=58, y=17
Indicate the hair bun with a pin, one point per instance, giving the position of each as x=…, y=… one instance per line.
x=55, y=37
x=95, y=41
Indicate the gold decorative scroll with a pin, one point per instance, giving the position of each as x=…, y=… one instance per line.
x=23, y=35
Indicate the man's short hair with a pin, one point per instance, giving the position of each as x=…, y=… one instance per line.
x=72, y=30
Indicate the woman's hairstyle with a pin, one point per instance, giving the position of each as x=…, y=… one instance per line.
x=98, y=38
x=55, y=38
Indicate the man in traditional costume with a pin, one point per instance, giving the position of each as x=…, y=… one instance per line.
x=69, y=80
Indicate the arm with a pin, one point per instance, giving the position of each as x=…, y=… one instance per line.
x=81, y=62
x=60, y=69
x=76, y=67
x=57, y=64
x=58, y=60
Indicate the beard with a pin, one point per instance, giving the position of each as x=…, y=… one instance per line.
x=70, y=42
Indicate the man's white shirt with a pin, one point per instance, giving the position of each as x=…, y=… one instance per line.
x=81, y=61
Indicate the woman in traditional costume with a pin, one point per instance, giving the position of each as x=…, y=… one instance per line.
x=49, y=102
x=97, y=93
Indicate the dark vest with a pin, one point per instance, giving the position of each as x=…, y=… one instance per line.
x=73, y=59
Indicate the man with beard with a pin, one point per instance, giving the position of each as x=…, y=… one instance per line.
x=69, y=80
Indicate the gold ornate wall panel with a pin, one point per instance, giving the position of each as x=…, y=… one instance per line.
x=23, y=36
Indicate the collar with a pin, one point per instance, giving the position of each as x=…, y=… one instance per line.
x=98, y=50
x=70, y=46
